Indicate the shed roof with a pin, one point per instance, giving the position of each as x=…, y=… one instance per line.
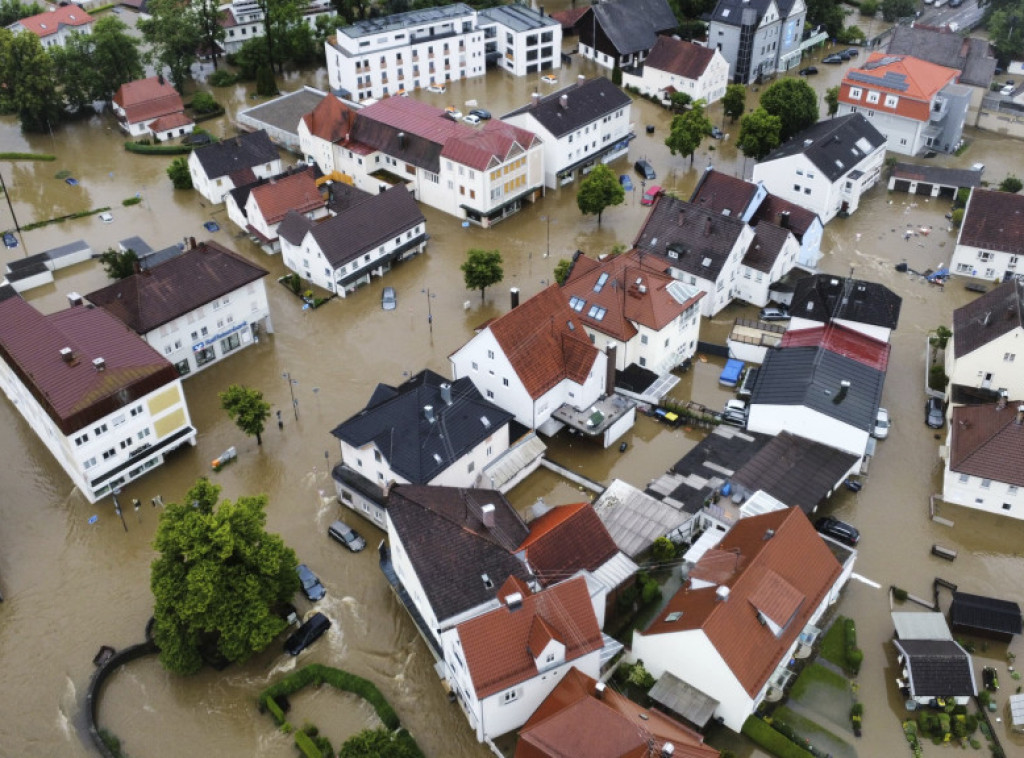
x=986, y=614
x=937, y=668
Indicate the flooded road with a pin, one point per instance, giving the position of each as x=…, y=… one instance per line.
x=71, y=587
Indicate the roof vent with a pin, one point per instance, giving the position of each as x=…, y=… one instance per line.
x=768, y=534
x=668, y=750
x=1020, y=415
x=514, y=601
x=428, y=413
x=487, y=515
x=534, y=99
x=599, y=690
x=401, y=140
x=67, y=354
x=580, y=79
x=438, y=458
x=564, y=102
x=486, y=422
x=722, y=593
x=808, y=142
x=99, y=364
x=446, y=393
x=74, y=299
x=487, y=581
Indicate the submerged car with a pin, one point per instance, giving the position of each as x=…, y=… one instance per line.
x=307, y=634
x=838, y=530
x=773, y=314
x=10, y=240
x=645, y=169
x=310, y=583
x=809, y=71
x=481, y=113
x=626, y=182
x=881, y=428
x=832, y=59
x=934, y=414
x=346, y=535
x=388, y=299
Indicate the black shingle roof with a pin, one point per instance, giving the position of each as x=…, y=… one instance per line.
x=811, y=377
x=450, y=549
x=415, y=447
x=825, y=298
x=985, y=614
x=633, y=25
x=586, y=102
x=834, y=146
x=937, y=668
x=236, y=154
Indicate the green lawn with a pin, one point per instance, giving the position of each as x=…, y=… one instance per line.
x=833, y=643
x=822, y=739
x=816, y=674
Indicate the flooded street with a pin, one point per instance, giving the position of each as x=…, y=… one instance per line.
x=70, y=587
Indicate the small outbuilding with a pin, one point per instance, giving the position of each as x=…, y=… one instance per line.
x=984, y=616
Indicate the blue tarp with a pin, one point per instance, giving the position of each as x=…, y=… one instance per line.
x=731, y=372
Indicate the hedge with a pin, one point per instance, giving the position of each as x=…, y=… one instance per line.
x=275, y=710
x=137, y=147
x=775, y=743
x=27, y=157
x=317, y=674
x=304, y=743
x=61, y=219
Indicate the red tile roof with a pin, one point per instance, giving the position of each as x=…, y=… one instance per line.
x=575, y=721
x=540, y=345
x=330, y=120
x=296, y=192
x=497, y=644
x=488, y=146
x=172, y=121
x=50, y=22
x=776, y=560
x=995, y=221
x=565, y=540
x=842, y=341
x=684, y=59
x=74, y=394
x=146, y=99
x=988, y=442
x=923, y=81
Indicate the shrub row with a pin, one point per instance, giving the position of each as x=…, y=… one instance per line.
x=854, y=655
x=61, y=219
x=304, y=743
x=317, y=674
x=131, y=201
x=147, y=149
x=27, y=157
x=771, y=740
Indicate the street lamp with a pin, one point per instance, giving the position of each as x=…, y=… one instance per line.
x=430, y=315
x=547, y=219
x=291, y=391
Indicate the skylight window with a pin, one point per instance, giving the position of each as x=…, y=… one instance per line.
x=601, y=280
x=674, y=616
x=577, y=303
x=596, y=312
x=486, y=422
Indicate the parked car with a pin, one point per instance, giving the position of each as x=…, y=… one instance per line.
x=346, y=535
x=453, y=113
x=310, y=583
x=626, y=182
x=881, y=429
x=645, y=169
x=549, y=79
x=834, y=58
x=106, y=218
x=388, y=299
x=838, y=530
x=851, y=52
x=471, y=119
x=651, y=194
x=437, y=89
x=845, y=55
x=716, y=133
x=307, y=634
x=10, y=240
x=934, y=414
x=480, y=113
x=809, y=71
x=773, y=314
x=735, y=413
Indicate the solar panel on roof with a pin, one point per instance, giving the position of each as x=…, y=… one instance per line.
x=891, y=80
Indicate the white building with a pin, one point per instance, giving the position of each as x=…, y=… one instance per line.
x=259, y=208
x=675, y=65
x=521, y=39
x=827, y=167
x=107, y=406
x=218, y=168
x=579, y=126
x=243, y=20
x=990, y=244
x=55, y=26
x=195, y=308
x=151, y=107
x=862, y=306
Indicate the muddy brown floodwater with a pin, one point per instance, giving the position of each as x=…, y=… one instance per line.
x=71, y=587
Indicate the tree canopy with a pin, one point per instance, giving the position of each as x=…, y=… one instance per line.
x=179, y=173
x=1006, y=30
x=174, y=33
x=27, y=73
x=375, y=743
x=219, y=579
x=759, y=133
x=117, y=263
x=893, y=10
x=13, y=10
x=562, y=269
x=247, y=408
x=828, y=13
x=1011, y=184
x=688, y=130
x=598, y=190
x=795, y=102
x=832, y=99
x=734, y=103
x=481, y=269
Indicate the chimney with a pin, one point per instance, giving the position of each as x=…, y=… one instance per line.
x=401, y=140
x=534, y=99
x=580, y=79
x=191, y=243
x=564, y=102
x=514, y=601
x=1001, y=403
x=784, y=219
x=67, y=354
x=99, y=364
x=722, y=593
x=74, y=299
x=844, y=387
x=599, y=690
x=446, y=393
x=1020, y=415
x=668, y=750
x=707, y=226
x=487, y=515
x=160, y=79
x=428, y=413
x=609, y=375
x=768, y=534
x=514, y=295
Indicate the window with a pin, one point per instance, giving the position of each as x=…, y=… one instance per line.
x=204, y=356
x=108, y=454
x=376, y=456
x=127, y=443
x=490, y=395
x=796, y=187
x=986, y=483
x=90, y=463
x=504, y=381
x=136, y=410
x=510, y=697
x=643, y=339
x=855, y=93
x=577, y=303
x=183, y=368
x=470, y=466
x=475, y=366
x=229, y=343
x=346, y=496
x=891, y=101
x=490, y=354
x=873, y=97
x=1006, y=506
x=964, y=478
x=1009, y=357
x=81, y=439
x=143, y=434
x=1011, y=491
x=99, y=429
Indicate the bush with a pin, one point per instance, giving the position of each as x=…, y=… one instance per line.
x=937, y=379
x=27, y=157
x=1011, y=184
x=222, y=78
x=144, y=147
x=203, y=102
x=317, y=674
x=772, y=741
x=957, y=217
x=650, y=592
x=275, y=710
x=179, y=174
x=663, y=550
x=899, y=593
x=305, y=744
x=131, y=201
x=868, y=8
x=854, y=658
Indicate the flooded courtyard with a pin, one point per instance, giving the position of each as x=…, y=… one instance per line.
x=71, y=586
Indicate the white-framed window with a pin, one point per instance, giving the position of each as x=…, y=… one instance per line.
x=986, y=483
x=891, y=101
x=510, y=697
x=964, y=478
x=1009, y=357
x=1011, y=491
x=873, y=97
x=855, y=93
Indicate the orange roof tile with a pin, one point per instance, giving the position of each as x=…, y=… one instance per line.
x=296, y=192
x=497, y=644
x=539, y=343
x=330, y=120
x=566, y=539
x=170, y=121
x=146, y=99
x=50, y=22
x=778, y=559
x=921, y=81
x=843, y=341
x=491, y=145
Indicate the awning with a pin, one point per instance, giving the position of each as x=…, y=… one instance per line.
x=684, y=699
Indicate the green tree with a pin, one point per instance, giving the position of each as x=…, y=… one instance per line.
x=29, y=83
x=828, y=13
x=179, y=174
x=868, y=8
x=680, y=101
x=219, y=579
x=1006, y=31
x=247, y=408
x=72, y=70
x=375, y=743
x=795, y=102
x=688, y=130
x=203, y=102
x=115, y=58
x=266, y=85
x=562, y=269
x=174, y=34
x=1011, y=184
x=208, y=16
x=893, y=10
x=600, y=189
x=759, y=133
x=118, y=264
x=832, y=99
x=13, y=10
x=481, y=269
x=735, y=101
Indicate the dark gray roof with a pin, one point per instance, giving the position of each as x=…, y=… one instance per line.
x=416, y=448
x=688, y=237
x=811, y=377
x=970, y=55
x=985, y=614
x=764, y=250
x=236, y=154
x=730, y=12
x=825, y=298
x=520, y=18
x=949, y=177
x=937, y=668
x=285, y=112
x=358, y=228
x=586, y=102
x=633, y=25
x=987, y=318
x=136, y=244
x=449, y=547
x=156, y=257
x=71, y=248
x=834, y=146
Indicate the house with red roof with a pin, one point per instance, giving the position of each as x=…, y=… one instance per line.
x=151, y=107
x=746, y=607
x=651, y=319
x=675, y=65
x=502, y=664
x=481, y=174
x=260, y=207
x=107, y=406
x=536, y=360
x=54, y=27
x=990, y=243
x=584, y=717
x=917, y=105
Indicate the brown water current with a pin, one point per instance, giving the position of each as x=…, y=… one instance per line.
x=70, y=587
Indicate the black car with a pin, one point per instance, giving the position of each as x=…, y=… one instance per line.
x=310, y=583
x=838, y=530
x=346, y=535
x=834, y=58
x=809, y=71
x=307, y=634
x=851, y=53
x=480, y=113
x=645, y=169
x=934, y=414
